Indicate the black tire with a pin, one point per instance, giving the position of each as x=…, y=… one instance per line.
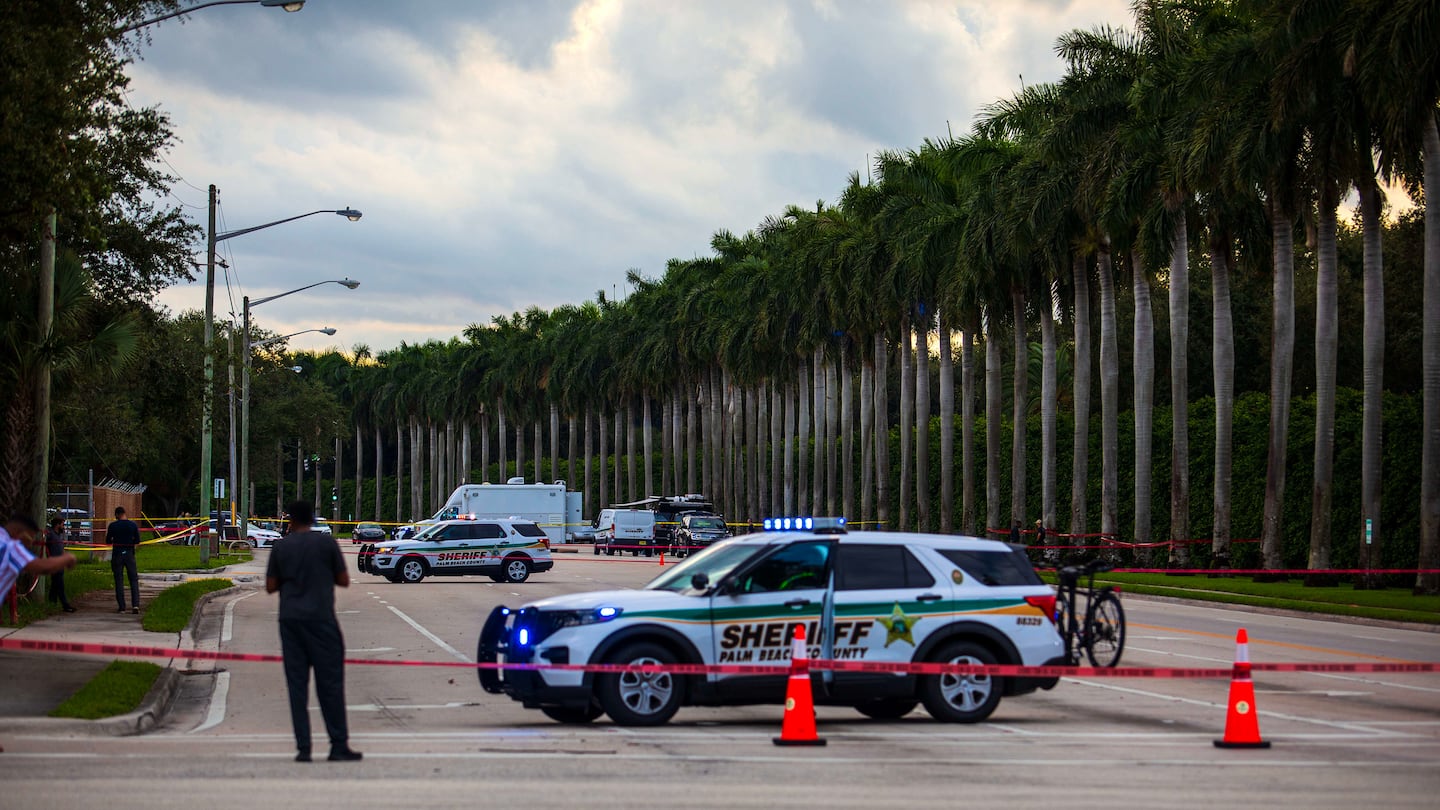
x=961, y=698
x=597, y=549
x=640, y=699
x=412, y=569
x=394, y=578
x=1104, y=631
x=1062, y=624
x=515, y=568
x=890, y=709
x=572, y=715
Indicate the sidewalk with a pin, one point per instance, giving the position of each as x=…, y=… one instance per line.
x=31, y=685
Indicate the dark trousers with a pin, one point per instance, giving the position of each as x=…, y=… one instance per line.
x=57, y=589
x=318, y=645
x=123, y=560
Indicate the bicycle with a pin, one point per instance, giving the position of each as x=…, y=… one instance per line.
x=1102, y=635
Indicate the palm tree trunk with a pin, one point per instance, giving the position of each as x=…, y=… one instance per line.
x=867, y=439
x=587, y=510
x=790, y=398
x=992, y=421
x=1327, y=314
x=777, y=446
x=1144, y=370
x=484, y=446
x=359, y=470
x=603, y=459
x=539, y=448
x=907, y=421
x=619, y=445
x=436, y=454
x=336, y=480
x=882, y=432
x=692, y=442
x=572, y=450
x=466, y=446
x=647, y=444
x=1020, y=386
x=817, y=393
x=554, y=443
x=802, y=402
x=1080, y=369
x=631, y=448
x=1109, y=398
x=846, y=380
x=501, y=431
x=967, y=429
x=760, y=449
x=667, y=446
x=717, y=433
x=1430, y=353
x=399, y=470
x=520, y=449
x=1049, y=406
x=1374, y=377
x=1282, y=358
x=1180, y=395
x=922, y=424
x=947, y=427
x=379, y=467
x=832, y=435
x=417, y=469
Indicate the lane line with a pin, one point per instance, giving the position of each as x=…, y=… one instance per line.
x=426, y=633
x=216, y=715
x=227, y=627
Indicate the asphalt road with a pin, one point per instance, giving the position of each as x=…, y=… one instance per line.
x=433, y=738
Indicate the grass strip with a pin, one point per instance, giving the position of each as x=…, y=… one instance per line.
x=165, y=557
x=1394, y=604
x=118, y=689
x=171, y=610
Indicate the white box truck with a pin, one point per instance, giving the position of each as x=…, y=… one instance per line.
x=552, y=507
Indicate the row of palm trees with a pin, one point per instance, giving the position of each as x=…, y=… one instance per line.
x=1236, y=122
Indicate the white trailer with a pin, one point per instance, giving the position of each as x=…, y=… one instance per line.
x=550, y=506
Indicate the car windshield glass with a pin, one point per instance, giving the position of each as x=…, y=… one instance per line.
x=714, y=562
x=428, y=532
x=529, y=529
x=707, y=524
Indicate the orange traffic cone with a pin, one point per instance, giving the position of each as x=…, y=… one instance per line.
x=1242, y=726
x=798, y=727
x=662, y=559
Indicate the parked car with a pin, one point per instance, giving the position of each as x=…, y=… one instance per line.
x=367, y=531
x=697, y=531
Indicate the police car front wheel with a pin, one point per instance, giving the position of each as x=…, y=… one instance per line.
x=956, y=698
x=412, y=569
x=640, y=698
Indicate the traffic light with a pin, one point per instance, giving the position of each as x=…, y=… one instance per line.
x=334, y=494
x=307, y=464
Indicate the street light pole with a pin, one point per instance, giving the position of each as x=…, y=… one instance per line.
x=244, y=485
x=288, y=5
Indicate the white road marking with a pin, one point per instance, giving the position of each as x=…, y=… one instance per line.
x=426, y=633
x=381, y=707
x=216, y=715
x=227, y=627
x=369, y=650
x=1310, y=692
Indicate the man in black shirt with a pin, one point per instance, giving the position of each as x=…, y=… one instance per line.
x=55, y=547
x=305, y=566
x=123, y=536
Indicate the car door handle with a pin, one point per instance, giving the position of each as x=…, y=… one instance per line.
x=797, y=603
x=929, y=597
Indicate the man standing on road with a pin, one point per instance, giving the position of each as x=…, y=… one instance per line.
x=123, y=536
x=305, y=566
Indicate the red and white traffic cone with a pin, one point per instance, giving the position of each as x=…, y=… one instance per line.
x=662, y=559
x=1242, y=725
x=798, y=727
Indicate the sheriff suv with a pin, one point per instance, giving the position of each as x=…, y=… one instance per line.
x=869, y=596
x=506, y=550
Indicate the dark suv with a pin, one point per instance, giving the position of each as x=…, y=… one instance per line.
x=697, y=531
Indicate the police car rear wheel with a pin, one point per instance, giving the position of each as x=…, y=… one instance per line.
x=961, y=698
x=640, y=698
x=571, y=714
x=887, y=709
x=412, y=569
x=516, y=569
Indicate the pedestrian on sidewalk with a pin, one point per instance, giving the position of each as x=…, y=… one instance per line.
x=123, y=536
x=305, y=566
x=55, y=547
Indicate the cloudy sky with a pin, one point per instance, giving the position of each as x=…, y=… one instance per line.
x=529, y=152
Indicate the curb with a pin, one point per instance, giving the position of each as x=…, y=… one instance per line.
x=151, y=712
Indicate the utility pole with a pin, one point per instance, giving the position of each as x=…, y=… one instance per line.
x=205, y=461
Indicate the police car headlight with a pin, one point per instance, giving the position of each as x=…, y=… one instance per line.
x=384, y=550
x=561, y=619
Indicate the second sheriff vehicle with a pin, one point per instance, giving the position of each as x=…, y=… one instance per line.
x=507, y=550
x=871, y=596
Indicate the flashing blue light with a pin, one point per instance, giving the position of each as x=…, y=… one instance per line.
x=504, y=611
x=523, y=637
x=809, y=524
x=607, y=612
x=785, y=524
x=768, y=524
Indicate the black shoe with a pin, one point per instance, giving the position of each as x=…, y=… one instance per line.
x=135, y=610
x=121, y=610
x=303, y=755
x=345, y=755
x=69, y=608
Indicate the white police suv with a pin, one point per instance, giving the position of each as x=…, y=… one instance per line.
x=868, y=596
x=507, y=550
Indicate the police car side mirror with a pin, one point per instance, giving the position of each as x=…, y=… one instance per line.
x=700, y=581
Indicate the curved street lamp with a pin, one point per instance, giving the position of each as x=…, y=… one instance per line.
x=206, y=450
x=288, y=5
x=244, y=483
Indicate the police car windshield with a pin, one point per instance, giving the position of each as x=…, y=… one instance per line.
x=427, y=532
x=714, y=562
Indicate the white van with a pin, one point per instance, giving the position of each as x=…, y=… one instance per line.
x=622, y=529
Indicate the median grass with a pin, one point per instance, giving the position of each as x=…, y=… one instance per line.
x=171, y=610
x=118, y=689
x=1394, y=604
x=165, y=557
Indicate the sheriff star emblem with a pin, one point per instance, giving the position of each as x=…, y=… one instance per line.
x=898, y=626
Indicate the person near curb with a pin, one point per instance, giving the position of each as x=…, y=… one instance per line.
x=305, y=566
x=55, y=547
x=123, y=536
x=16, y=559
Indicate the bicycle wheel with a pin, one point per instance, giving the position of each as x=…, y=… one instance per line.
x=1104, y=630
